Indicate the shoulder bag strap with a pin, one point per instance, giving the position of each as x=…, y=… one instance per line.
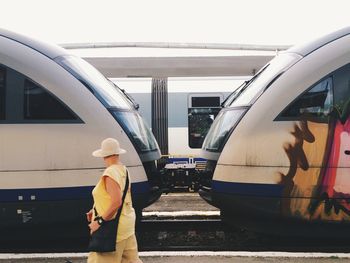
x=126, y=188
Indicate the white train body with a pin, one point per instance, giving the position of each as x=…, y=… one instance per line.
x=279, y=151
x=55, y=109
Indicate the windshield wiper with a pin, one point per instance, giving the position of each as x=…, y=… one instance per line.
x=127, y=95
x=241, y=88
x=131, y=99
x=232, y=94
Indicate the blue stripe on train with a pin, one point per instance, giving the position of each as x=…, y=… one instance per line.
x=59, y=193
x=266, y=190
x=140, y=188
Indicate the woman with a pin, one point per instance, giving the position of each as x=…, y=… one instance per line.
x=107, y=196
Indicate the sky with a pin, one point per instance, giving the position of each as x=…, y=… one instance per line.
x=279, y=22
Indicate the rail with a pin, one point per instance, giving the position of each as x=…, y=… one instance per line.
x=190, y=235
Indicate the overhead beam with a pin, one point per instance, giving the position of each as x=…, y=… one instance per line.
x=178, y=66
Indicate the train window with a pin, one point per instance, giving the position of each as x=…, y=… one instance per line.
x=249, y=92
x=315, y=103
x=137, y=130
x=341, y=82
x=202, y=110
x=100, y=86
x=2, y=93
x=39, y=104
x=199, y=122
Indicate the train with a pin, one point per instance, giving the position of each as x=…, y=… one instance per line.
x=179, y=89
x=278, y=152
x=189, y=107
x=55, y=109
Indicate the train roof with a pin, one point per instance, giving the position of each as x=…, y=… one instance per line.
x=307, y=48
x=49, y=50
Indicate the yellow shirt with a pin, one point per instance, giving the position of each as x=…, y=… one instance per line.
x=102, y=201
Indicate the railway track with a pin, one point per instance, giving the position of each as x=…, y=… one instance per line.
x=214, y=235
x=185, y=235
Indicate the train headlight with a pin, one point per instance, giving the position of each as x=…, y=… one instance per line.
x=223, y=125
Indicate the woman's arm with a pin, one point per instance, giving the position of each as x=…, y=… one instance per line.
x=113, y=189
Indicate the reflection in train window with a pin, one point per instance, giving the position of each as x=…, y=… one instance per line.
x=315, y=103
x=41, y=105
x=199, y=122
x=2, y=93
x=341, y=83
x=201, y=114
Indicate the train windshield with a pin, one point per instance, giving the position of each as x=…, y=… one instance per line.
x=95, y=81
x=249, y=92
x=221, y=128
x=116, y=101
x=137, y=130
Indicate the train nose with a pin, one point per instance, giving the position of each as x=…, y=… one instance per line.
x=206, y=178
x=206, y=194
x=154, y=194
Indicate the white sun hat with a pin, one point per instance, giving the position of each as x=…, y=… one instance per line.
x=109, y=147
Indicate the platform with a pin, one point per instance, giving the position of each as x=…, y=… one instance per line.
x=180, y=202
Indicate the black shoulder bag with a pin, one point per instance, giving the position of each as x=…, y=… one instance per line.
x=104, y=239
